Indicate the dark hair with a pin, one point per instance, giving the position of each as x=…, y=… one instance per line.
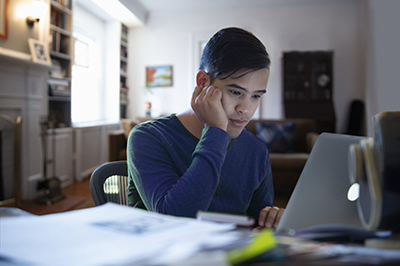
x=231, y=50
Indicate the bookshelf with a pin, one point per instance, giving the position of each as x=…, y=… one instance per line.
x=308, y=87
x=123, y=72
x=61, y=51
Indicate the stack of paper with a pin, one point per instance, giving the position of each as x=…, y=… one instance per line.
x=110, y=234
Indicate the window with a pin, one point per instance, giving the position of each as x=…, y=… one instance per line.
x=86, y=80
x=95, y=90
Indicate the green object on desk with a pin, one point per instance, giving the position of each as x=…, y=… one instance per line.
x=262, y=243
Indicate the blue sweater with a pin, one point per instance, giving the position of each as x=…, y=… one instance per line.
x=175, y=173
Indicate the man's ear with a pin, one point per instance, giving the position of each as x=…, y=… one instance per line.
x=202, y=79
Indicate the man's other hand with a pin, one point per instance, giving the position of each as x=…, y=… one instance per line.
x=270, y=217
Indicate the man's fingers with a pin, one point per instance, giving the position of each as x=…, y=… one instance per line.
x=278, y=217
x=270, y=217
x=263, y=216
x=206, y=103
x=196, y=93
x=216, y=94
x=272, y=213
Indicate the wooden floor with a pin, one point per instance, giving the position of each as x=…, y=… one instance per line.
x=77, y=196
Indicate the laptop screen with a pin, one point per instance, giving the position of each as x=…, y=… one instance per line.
x=320, y=195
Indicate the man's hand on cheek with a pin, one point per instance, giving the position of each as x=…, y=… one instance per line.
x=270, y=217
x=206, y=103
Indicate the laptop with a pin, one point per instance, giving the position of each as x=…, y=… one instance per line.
x=320, y=195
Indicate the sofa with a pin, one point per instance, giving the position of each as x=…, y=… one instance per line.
x=286, y=165
x=117, y=140
x=289, y=158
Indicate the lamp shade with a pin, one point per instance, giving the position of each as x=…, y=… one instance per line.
x=38, y=9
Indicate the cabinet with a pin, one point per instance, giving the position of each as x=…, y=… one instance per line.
x=61, y=51
x=308, y=87
x=123, y=72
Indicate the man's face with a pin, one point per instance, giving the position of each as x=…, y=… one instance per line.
x=241, y=95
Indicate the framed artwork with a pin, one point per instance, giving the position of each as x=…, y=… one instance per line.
x=159, y=76
x=39, y=52
x=3, y=18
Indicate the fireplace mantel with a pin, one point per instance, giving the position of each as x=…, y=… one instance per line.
x=23, y=92
x=8, y=55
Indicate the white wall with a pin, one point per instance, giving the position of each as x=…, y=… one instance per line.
x=383, y=78
x=306, y=25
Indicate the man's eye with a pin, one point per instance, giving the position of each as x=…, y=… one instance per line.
x=256, y=96
x=235, y=92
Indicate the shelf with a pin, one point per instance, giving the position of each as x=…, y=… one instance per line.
x=60, y=55
x=51, y=78
x=124, y=43
x=15, y=57
x=61, y=7
x=60, y=30
x=308, y=87
x=59, y=80
x=60, y=98
x=123, y=92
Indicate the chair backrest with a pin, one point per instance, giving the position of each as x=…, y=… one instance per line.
x=109, y=183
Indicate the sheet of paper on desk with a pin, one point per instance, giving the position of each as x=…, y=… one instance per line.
x=110, y=234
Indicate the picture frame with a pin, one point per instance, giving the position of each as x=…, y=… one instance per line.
x=159, y=76
x=4, y=19
x=39, y=51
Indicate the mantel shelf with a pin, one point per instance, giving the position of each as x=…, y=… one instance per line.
x=21, y=58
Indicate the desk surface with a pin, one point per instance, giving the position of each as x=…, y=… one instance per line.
x=95, y=237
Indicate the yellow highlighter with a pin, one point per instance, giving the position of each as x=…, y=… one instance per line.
x=263, y=242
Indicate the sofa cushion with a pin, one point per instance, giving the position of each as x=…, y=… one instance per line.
x=128, y=124
x=288, y=161
x=278, y=137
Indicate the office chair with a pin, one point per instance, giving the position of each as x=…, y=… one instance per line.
x=109, y=183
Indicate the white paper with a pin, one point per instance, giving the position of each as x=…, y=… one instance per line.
x=109, y=234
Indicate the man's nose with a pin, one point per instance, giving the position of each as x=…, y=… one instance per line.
x=243, y=105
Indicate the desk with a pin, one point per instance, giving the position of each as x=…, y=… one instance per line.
x=113, y=234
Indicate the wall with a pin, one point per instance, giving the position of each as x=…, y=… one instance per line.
x=308, y=25
x=383, y=58
x=18, y=30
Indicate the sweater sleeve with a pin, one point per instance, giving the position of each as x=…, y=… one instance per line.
x=263, y=196
x=162, y=187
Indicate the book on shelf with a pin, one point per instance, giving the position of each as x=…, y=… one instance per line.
x=66, y=3
x=123, y=95
x=124, y=33
x=58, y=19
x=123, y=67
x=59, y=69
x=59, y=87
x=60, y=42
x=124, y=52
x=124, y=100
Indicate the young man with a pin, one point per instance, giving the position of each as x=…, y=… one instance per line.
x=204, y=159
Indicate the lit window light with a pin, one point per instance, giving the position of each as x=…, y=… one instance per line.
x=118, y=11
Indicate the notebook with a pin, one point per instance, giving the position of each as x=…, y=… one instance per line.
x=320, y=195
